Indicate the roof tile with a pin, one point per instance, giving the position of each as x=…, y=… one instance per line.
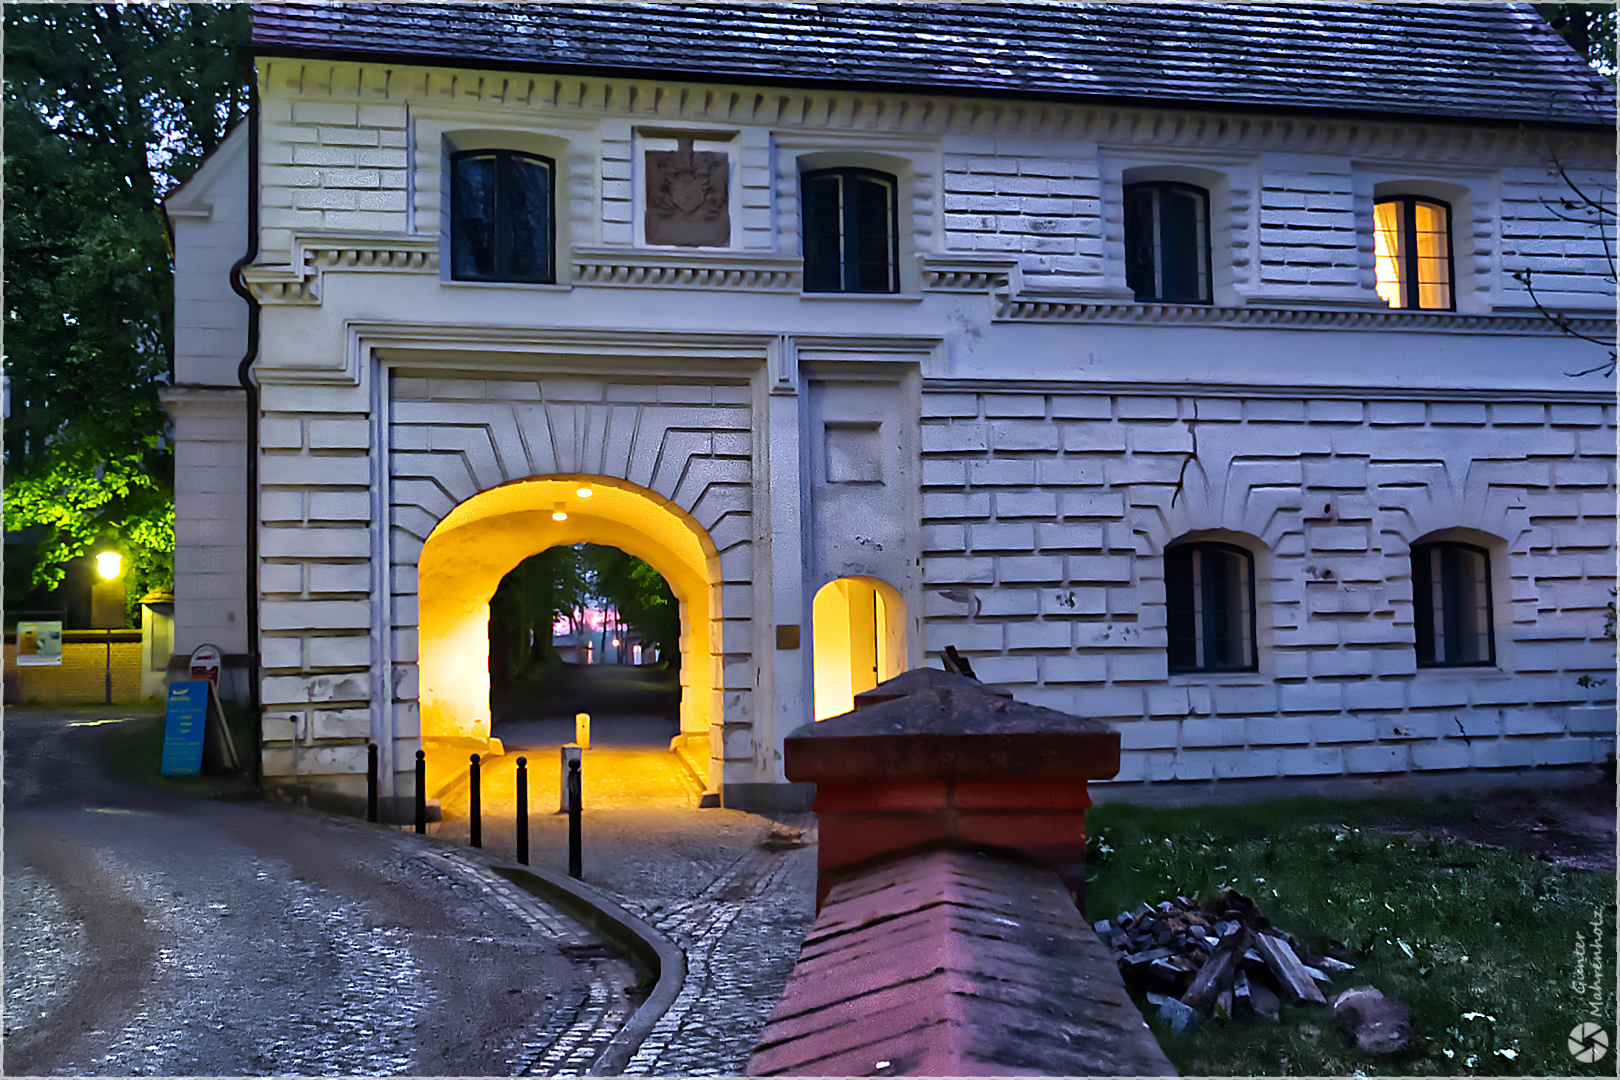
x=1481, y=62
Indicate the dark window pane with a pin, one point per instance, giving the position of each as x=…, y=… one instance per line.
x=473, y=228
x=1209, y=597
x=1180, y=614
x=529, y=212
x=873, y=233
x=1451, y=605
x=501, y=217
x=821, y=211
x=1167, y=242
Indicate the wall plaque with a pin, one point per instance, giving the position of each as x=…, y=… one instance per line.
x=688, y=197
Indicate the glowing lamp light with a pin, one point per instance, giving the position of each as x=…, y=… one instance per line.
x=108, y=564
x=583, y=492
x=558, y=513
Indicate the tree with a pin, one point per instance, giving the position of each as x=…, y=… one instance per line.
x=527, y=604
x=107, y=109
x=640, y=595
x=1589, y=29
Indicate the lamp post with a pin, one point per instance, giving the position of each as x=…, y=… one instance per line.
x=104, y=613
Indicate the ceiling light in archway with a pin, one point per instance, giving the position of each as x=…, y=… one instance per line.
x=583, y=492
x=558, y=513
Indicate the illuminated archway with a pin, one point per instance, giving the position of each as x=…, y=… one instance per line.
x=482, y=539
x=859, y=630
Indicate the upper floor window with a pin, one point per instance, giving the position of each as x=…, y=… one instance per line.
x=1209, y=592
x=1167, y=242
x=1451, y=600
x=502, y=222
x=1412, y=246
x=849, y=231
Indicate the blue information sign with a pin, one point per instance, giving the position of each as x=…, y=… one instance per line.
x=185, y=722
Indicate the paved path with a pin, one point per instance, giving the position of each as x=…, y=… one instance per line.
x=706, y=878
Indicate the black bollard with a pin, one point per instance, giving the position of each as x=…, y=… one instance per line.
x=472, y=781
x=574, y=870
x=371, y=781
x=421, y=791
x=523, y=810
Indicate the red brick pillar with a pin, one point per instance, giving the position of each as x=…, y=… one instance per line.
x=935, y=759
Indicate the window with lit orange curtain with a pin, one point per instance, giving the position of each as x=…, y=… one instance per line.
x=1412, y=249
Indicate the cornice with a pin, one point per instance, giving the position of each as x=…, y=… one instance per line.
x=661, y=268
x=313, y=253
x=529, y=96
x=1283, y=391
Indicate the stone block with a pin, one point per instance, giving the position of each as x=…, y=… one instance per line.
x=282, y=652
x=1329, y=411
x=1503, y=753
x=998, y=603
x=316, y=615
x=1374, y=694
x=1149, y=735
x=1245, y=764
x=1090, y=667
x=1172, y=700
x=281, y=433
x=944, y=538
x=954, y=504
x=1546, y=721
x=1082, y=407
x=1396, y=413
x=1194, y=765
x=1576, y=415
x=1313, y=761
x=1343, y=729
x=1591, y=720
x=1070, y=470
x=1570, y=751
x=314, y=543
x=281, y=506
x=339, y=578
x=1432, y=690
x=1112, y=702
x=341, y=723
x=1310, y=697
x=281, y=577
x=1137, y=665
x=1376, y=759
x=1244, y=700
x=955, y=438
x=1215, y=732
x=999, y=472
x=1025, y=504
x=1505, y=412
x=1094, y=437
x=1337, y=663
x=340, y=506
x=1002, y=536
x=1160, y=439
x=351, y=651
x=1275, y=411
x=934, y=405
x=1130, y=407
x=1444, y=754
x=1276, y=730
x=1006, y=670
x=1014, y=405
x=1100, y=568
x=1078, y=600
x=1035, y=568
x=1069, y=535
x=1038, y=635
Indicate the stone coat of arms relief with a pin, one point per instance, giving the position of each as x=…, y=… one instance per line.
x=688, y=197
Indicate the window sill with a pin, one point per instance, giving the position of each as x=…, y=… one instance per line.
x=865, y=298
x=531, y=286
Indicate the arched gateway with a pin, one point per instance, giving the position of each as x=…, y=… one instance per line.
x=483, y=538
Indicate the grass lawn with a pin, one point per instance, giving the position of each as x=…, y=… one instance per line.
x=135, y=750
x=1498, y=953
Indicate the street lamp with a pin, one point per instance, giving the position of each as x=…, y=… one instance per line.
x=107, y=610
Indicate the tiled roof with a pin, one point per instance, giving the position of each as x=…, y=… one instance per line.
x=1486, y=62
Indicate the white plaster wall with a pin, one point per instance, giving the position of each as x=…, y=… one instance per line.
x=1056, y=417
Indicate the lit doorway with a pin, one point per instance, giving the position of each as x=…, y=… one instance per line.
x=859, y=635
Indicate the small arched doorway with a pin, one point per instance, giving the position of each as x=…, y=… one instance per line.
x=859, y=634
x=469, y=552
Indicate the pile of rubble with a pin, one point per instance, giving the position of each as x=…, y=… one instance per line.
x=1226, y=958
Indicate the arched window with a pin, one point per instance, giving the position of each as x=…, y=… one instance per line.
x=1209, y=593
x=1451, y=602
x=849, y=231
x=1412, y=248
x=859, y=633
x=1167, y=242
x=502, y=223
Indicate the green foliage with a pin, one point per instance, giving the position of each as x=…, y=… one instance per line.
x=639, y=594
x=529, y=600
x=107, y=109
x=1481, y=944
x=1589, y=29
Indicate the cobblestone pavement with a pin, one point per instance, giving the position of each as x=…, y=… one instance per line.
x=702, y=877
